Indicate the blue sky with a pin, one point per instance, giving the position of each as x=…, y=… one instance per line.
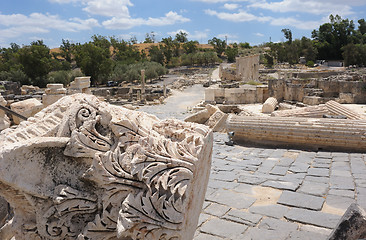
x=253, y=21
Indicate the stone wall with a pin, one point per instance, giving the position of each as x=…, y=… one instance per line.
x=245, y=94
x=314, y=91
x=247, y=68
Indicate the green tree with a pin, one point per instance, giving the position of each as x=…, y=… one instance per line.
x=181, y=37
x=36, y=62
x=288, y=35
x=150, y=37
x=190, y=47
x=94, y=61
x=156, y=54
x=218, y=44
x=231, y=53
x=124, y=52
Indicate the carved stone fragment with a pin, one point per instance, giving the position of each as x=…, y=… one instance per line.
x=84, y=169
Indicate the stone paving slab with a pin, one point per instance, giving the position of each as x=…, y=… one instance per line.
x=313, y=189
x=301, y=200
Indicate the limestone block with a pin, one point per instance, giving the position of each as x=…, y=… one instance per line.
x=346, y=98
x=269, y=105
x=311, y=100
x=84, y=169
x=217, y=119
x=80, y=83
x=332, y=134
x=209, y=95
x=27, y=108
x=199, y=117
x=50, y=99
x=4, y=120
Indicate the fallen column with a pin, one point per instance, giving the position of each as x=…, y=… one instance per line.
x=84, y=169
x=305, y=112
x=269, y=105
x=338, y=109
x=333, y=134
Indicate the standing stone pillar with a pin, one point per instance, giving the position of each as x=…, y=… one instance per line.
x=143, y=85
x=269, y=105
x=164, y=88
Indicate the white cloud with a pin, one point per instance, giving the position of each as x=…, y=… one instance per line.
x=124, y=23
x=18, y=24
x=305, y=6
x=259, y=34
x=221, y=1
x=241, y=16
x=305, y=25
x=231, y=6
x=109, y=8
x=196, y=35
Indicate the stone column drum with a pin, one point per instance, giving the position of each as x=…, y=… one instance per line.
x=333, y=134
x=84, y=169
x=338, y=109
x=269, y=105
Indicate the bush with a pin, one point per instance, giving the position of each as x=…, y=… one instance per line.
x=310, y=64
x=15, y=76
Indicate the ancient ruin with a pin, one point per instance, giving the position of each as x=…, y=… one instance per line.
x=4, y=120
x=53, y=93
x=84, y=169
x=80, y=85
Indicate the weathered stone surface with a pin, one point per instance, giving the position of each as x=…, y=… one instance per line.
x=313, y=217
x=352, y=225
x=84, y=169
x=223, y=228
x=269, y=105
x=27, y=108
x=301, y=200
x=4, y=120
x=53, y=93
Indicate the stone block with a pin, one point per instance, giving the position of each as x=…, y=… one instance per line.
x=316, y=218
x=27, y=108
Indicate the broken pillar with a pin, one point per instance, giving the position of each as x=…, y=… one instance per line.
x=338, y=109
x=53, y=92
x=332, y=134
x=306, y=112
x=26, y=108
x=269, y=105
x=84, y=169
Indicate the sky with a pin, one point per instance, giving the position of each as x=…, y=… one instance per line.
x=253, y=21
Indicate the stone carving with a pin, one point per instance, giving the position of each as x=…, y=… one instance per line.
x=211, y=116
x=84, y=169
x=323, y=133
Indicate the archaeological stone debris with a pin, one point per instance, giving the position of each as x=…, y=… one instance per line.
x=84, y=169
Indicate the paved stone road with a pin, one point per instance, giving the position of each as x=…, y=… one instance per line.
x=259, y=193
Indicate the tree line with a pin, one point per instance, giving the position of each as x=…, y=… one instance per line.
x=337, y=40
x=103, y=58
